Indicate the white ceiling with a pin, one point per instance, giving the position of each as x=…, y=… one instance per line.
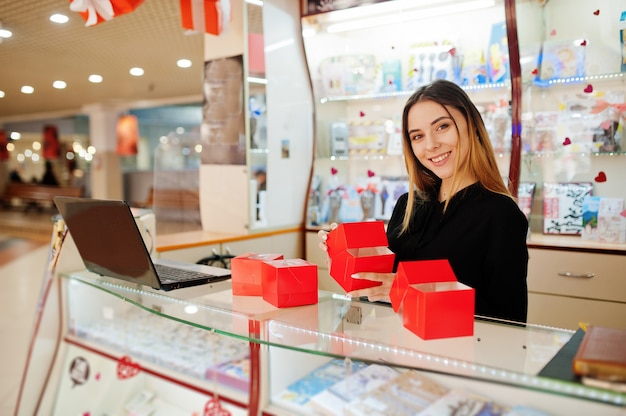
x=40, y=52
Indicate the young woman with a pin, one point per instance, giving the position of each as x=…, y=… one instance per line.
x=459, y=208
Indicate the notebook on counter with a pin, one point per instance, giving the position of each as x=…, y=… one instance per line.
x=110, y=244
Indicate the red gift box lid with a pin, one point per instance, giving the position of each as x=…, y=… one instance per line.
x=418, y=271
x=356, y=235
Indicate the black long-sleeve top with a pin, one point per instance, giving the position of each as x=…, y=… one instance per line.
x=483, y=236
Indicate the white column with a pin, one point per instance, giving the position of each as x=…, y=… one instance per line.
x=106, y=173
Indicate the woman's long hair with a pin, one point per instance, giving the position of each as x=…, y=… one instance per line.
x=480, y=162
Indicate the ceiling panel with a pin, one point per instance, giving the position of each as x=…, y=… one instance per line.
x=40, y=52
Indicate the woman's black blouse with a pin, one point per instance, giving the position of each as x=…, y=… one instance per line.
x=483, y=236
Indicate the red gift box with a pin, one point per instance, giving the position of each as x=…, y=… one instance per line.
x=247, y=273
x=358, y=247
x=432, y=302
x=291, y=282
x=205, y=16
x=98, y=11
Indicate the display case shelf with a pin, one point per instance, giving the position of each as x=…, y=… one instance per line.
x=497, y=355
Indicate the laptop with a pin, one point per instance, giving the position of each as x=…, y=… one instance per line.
x=110, y=244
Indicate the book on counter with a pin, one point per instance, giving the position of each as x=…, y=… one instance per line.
x=602, y=355
x=297, y=395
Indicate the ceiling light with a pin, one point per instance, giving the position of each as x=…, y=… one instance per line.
x=183, y=63
x=404, y=16
x=1, y=94
x=27, y=89
x=4, y=33
x=59, y=85
x=95, y=78
x=136, y=71
x=59, y=18
x=15, y=135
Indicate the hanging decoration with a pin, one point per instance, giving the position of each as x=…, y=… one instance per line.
x=51, y=143
x=127, y=368
x=208, y=16
x=4, y=153
x=127, y=135
x=98, y=11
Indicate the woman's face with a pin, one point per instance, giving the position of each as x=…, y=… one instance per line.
x=434, y=137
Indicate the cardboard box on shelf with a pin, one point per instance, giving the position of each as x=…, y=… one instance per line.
x=289, y=282
x=246, y=273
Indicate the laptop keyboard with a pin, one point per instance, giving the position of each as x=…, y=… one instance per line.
x=172, y=273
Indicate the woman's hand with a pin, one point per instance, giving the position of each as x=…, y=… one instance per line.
x=323, y=236
x=376, y=293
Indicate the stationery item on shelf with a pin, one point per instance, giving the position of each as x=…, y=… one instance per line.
x=601, y=354
x=404, y=395
x=622, y=39
x=339, y=139
x=298, y=394
x=525, y=196
x=562, y=207
x=433, y=304
x=355, y=247
x=474, y=67
x=462, y=402
x=335, y=400
x=427, y=63
x=591, y=206
x=390, y=76
x=392, y=189
x=498, y=54
x=610, y=221
x=289, y=282
x=561, y=59
x=247, y=273
x=545, y=137
x=348, y=75
x=367, y=137
x=394, y=142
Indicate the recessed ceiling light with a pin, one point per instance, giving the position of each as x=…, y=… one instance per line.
x=136, y=71
x=27, y=89
x=59, y=85
x=95, y=78
x=1, y=94
x=59, y=18
x=15, y=135
x=5, y=33
x=183, y=63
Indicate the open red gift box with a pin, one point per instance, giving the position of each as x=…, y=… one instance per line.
x=358, y=247
x=289, y=282
x=247, y=273
x=433, y=304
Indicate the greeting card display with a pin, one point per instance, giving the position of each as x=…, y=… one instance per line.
x=610, y=220
x=358, y=247
x=562, y=207
x=247, y=273
x=289, y=282
x=525, y=195
x=433, y=304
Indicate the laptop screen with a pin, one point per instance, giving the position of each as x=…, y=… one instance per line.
x=107, y=239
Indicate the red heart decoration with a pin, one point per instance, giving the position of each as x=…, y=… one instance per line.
x=333, y=171
x=597, y=12
x=553, y=32
x=98, y=377
x=601, y=177
x=567, y=141
x=390, y=82
x=589, y=88
x=535, y=71
x=583, y=43
x=214, y=408
x=126, y=368
x=87, y=414
x=623, y=213
x=361, y=114
x=452, y=51
x=416, y=70
x=370, y=173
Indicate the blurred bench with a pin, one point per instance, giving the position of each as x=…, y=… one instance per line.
x=30, y=194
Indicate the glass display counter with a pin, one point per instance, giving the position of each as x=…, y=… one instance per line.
x=124, y=348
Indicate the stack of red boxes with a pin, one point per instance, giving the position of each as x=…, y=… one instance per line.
x=358, y=247
x=281, y=282
x=433, y=304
